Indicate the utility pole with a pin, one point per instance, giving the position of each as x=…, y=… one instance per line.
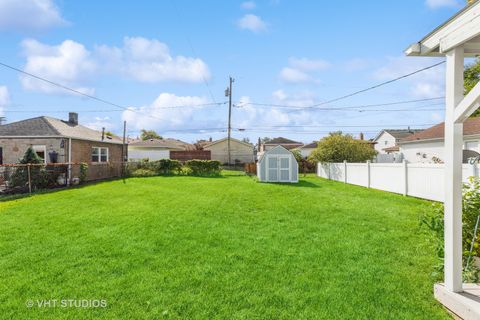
x=228, y=93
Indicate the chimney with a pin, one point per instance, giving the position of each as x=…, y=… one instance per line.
x=361, y=136
x=73, y=118
x=210, y=139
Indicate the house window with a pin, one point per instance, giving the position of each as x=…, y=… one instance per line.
x=41, y=151
x=471, y=145
x=99, y=154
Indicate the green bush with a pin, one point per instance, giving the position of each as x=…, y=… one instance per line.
x=38, y=174
x=165, y=166
x=83, y=172
x=203, y=167
x=143, y=173
x=434, y=221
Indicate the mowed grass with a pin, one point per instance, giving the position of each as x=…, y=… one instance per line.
x=217, y=248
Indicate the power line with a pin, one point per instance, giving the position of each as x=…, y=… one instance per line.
x=88, y=95
x=340, y=108
x=379, y=85
x=64, y=87
x=205, y=81
x=343, y=126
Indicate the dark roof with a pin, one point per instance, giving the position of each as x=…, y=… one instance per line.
x=281, y=140
x=47, y=126
x=312, y=145
x=162, y=143
x=471, y=126
x=402, y=133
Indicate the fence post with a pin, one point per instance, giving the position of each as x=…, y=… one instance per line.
x=405, y=177
x=473, y=168
x=368, y=173
x=345, y=171
x=29, y=179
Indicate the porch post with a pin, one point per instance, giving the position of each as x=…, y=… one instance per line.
x=453, y=171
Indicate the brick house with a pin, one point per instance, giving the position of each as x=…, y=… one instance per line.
x=60, y=141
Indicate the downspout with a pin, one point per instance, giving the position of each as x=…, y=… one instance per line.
x=69, y=161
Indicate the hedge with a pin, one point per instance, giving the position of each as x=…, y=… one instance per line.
x=203, y=167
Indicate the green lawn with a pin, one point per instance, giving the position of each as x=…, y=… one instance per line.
x=217, y=248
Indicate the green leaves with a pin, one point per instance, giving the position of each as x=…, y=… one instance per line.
x=338, y=147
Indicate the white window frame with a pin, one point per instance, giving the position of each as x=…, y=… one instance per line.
x=100, y=155
x=41, y=147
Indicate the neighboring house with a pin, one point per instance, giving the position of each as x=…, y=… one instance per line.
x=386, y=141
x=241, y=152
x=280, y=141
x=307, y=149
x=59, y=141
x=155, y=149
x=277, y=165
x=427, y=146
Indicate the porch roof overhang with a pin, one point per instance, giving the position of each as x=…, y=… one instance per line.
x=462, y=29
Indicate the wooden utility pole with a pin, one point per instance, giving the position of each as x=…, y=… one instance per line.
x=229, y=92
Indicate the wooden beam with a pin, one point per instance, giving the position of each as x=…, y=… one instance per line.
x=469, y=104
x=466, y=31
x=453, y=171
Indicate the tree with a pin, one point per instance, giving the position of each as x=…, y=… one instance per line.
x=149, y=134
x=338, y=147
x=472, y=76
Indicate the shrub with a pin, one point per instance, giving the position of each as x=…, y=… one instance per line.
x=83, y=172
x=143, y=173
x=203, y=167
x=165, y=166
x=38, y=175
x=338, y=147
x=434, y=221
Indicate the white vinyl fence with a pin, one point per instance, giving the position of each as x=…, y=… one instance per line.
x=419, y=180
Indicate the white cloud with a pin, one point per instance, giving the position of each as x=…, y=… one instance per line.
x=149, y=60
x=4, y=99
x=300, y=70
x=435, y=4
x=69, y=64
x=160, y=116
x=26, y=15
x=426, y=84
x=294, y=75
x=248, y=5
x=99, y=123
x=253, y=23
x=73, y=65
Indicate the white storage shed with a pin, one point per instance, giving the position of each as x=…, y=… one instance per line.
x=277, y=165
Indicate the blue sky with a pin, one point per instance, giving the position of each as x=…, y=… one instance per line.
x=162, y=59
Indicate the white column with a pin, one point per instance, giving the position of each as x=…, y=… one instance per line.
x=453, y=171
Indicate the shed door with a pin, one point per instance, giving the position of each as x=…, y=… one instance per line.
x=272, y=167
x=284, y=169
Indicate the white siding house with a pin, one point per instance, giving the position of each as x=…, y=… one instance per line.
x=387, y=139
x=428, y=146
x=155, y=149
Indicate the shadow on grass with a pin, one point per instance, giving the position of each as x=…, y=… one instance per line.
x=300, y=184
